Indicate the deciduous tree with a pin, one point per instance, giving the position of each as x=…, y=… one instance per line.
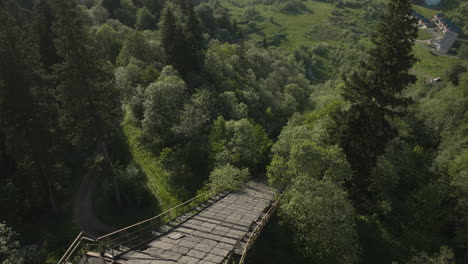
x=163, y=103
x=144, y=19
x=322, y=218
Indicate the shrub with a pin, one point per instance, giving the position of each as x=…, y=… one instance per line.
x=233, y=177
x=292, y=7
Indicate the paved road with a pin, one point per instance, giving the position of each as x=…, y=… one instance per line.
x=212, y=234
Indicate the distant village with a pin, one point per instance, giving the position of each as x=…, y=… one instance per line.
x=448, y=29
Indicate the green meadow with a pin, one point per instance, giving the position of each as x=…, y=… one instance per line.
x=313, y=26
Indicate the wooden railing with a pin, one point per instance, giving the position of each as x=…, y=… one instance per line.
x=259, y=227
x=123, y=240
x=71, y=248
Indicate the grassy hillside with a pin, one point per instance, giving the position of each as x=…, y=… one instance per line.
x=324, y=22
x=148, y=162
x=430, y=64
x=296, y=26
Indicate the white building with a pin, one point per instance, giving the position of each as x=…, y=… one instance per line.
x=450, y=31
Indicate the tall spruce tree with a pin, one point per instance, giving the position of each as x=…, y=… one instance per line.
x=195, y=34
x=26, y=124
x=183, y=44
x=89, y=105
x=168, y=29
x=154, y=6
x=88, y=102
x=111, y=5
x=374, y=92
x=144, y=20
x=48, y=53
x=85, y=91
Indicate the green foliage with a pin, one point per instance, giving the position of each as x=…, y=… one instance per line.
x=307, y=159
x=250, y=83
x=170, y=34
x=108, y=42
x=385, y=72
x=135, y=46
x=43, y=26
x=127, y=4
x=463, y=51
x=458, y=15
x=445, y=113
x=31, y=150
x=445, y=256
x=240, y=143
x=99, y=14
x=143, y=156
x=304, y=55
x=131, y=180
x=231, y=177
x=322, y=219
x=60, y=101
x=274, y=246
x=126, y=16
x=304, y=148
x=315, y=206
x=154, y=6
x=111, y=5
x=84, y=83
x=377, y=241
x=385, y=180
x=431, y=65
x=144, y=19
x=292, y=6
x=182, y=44
x=453, y=73
x=163, y=102
x=196, y=115
x=215, y=21
x=231, y=107
x=323, y=121
x=126, y=81
x=374, y=92
x=150, y=75
x=251, y=14
x=11, y=251
x=429, y=215
x=178, y=174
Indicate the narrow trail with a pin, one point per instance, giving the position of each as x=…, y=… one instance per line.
x=427, y=76
x=83, y=214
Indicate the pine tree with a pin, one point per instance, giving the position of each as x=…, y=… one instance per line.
x=168, y=30
x=111, y=5
x=194, y=29
x=89, y=106
x=144, y=19
x=194, y=39
x=47, y=51
x=26, y=121
x=176, y=43
x=154, y=6
x=385, y=71
x=88, y=101
x=374, y=92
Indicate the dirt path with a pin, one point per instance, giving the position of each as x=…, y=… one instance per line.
x=83, y=214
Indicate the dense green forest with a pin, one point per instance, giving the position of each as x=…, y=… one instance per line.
x=112, y=111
